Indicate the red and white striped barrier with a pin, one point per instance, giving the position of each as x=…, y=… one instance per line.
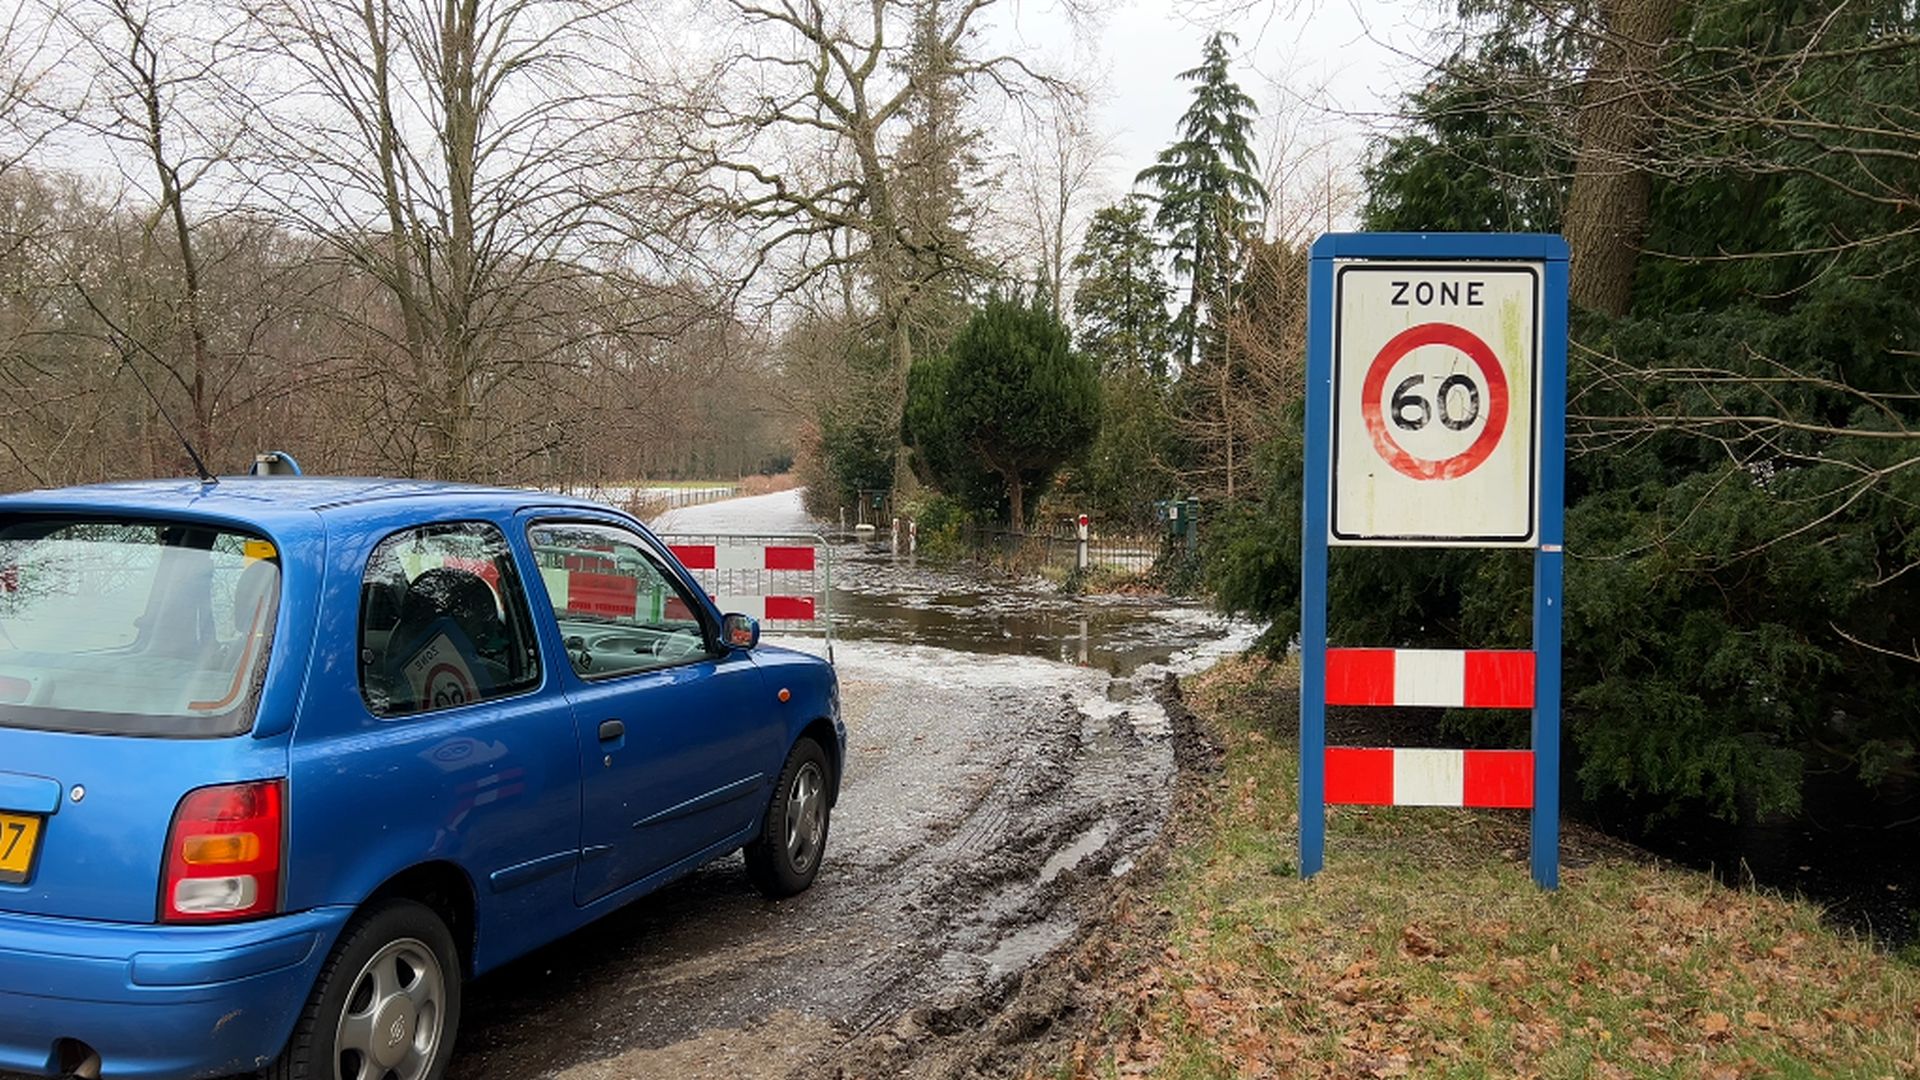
x=753, y=558
x=796, y=608
x=587, y=585
x=1456, y=678
x=584, y=592
x=744, y=557
x=1383, y=777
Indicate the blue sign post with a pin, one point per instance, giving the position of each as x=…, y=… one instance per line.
x=1436, y=416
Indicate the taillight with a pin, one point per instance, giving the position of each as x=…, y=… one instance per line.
x=223, y=853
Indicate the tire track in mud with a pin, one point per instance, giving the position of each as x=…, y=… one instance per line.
x=986, y=802
x=1033, y=1020
x=987, y=899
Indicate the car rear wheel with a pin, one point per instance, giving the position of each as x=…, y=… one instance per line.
x=386, y=1005
x=793, y=838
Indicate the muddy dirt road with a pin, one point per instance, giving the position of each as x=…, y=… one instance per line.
x=990, y=789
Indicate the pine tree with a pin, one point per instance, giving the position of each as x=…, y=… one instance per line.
x=1211, y=199
x=1009, y=397
x=937, y=210
x=1121, y=302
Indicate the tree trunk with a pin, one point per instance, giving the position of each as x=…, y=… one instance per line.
x=1606, y=218
x=1226, y=409
x=460, y=114
x=1016, y=494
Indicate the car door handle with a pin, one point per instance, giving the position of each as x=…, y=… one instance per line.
x=611, y=730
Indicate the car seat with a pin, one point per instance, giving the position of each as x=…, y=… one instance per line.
x=459, y=604
x=254, y=600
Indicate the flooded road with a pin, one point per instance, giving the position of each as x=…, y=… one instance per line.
x=1006, y=758
x=882, y=596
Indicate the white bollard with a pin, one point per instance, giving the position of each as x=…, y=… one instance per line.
x=1083, y=542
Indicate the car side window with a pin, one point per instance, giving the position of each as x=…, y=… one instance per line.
x=444, y=621
x=619, y=609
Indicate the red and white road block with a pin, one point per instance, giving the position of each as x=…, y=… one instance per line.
x=744, y=557
x=1454, y=678
x=1397, y=777
x=723, y=559
x=765, y=608
x=587, y=585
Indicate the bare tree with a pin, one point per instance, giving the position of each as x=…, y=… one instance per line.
x=487, y=165
x=28, y=52
x=1060, y=158
x=803, y=156
x=162, y=97
x=1307, y=172
x=1619, y=120
x=442, y=247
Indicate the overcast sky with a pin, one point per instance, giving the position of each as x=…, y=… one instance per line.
x=1338, y=65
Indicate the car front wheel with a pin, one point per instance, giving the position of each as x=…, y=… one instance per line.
x=793, y=838
x=386, y=1005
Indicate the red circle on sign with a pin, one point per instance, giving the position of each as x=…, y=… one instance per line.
x=1453, y=337
x=456, y=680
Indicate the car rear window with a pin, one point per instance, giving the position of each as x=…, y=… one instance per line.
x=133, y=627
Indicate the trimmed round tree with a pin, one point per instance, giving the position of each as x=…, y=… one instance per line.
x=1017, y=398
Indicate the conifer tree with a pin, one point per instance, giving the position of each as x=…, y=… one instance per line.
x=1120, y=305
x=936, y=204
x=1211, y=199
x=1010, y=396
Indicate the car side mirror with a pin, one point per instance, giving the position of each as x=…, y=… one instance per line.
x=739, y=631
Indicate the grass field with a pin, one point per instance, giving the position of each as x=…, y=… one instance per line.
x=1425, y=950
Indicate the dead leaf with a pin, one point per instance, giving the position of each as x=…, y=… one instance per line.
x=1653, y=1053
x=1350, y=991
x=1391, y=1065
x=1757, y=1019
x=1536, y=1038
x=1715, y=1026
x=1419, y=944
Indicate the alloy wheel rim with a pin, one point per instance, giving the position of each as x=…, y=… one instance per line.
x=806, y=817
x=394, y=1017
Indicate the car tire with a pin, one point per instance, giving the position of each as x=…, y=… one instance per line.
x=793, y=836
x=387, y=1001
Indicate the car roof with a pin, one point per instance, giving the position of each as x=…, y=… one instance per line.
x=263, y=497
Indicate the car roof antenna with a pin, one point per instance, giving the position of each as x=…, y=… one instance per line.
x=207, y=478
x=206, y=475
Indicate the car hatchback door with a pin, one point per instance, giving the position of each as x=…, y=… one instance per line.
x=678, y=734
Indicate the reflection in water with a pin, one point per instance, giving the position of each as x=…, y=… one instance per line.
x=885, y=596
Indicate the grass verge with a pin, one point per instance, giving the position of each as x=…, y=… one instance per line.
x=1424, y=949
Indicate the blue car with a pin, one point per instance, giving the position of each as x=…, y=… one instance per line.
x=284, y=761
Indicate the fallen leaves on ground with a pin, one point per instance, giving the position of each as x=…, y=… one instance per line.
x=1423, y=949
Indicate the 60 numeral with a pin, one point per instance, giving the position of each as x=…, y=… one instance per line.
x=1412, y=412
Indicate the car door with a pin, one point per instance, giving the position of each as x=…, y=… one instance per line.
x=677, y=733
x=432, y=726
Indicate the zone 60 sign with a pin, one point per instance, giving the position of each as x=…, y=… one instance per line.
x=1435, y=403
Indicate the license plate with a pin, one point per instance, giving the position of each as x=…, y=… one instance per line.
x=19, y=838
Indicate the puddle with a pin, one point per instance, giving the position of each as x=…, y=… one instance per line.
x=877, y=597
x=1018, y=950
x=1070, y=856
